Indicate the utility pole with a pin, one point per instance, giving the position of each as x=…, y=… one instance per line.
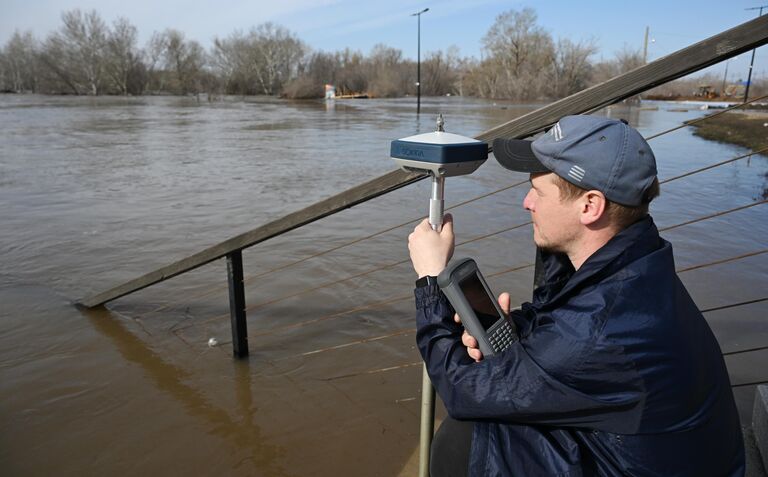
x=725, y=78
x=752, y=61
x=645, y=46
x=418, y=60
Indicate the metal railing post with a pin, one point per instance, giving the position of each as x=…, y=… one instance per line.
x=237, y=303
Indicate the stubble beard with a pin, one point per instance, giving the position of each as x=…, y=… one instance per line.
x=544, y=246
x=549, y=247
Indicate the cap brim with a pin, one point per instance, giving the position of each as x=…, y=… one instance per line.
x=517, y=155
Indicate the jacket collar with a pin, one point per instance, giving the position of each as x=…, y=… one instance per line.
x=560, y=279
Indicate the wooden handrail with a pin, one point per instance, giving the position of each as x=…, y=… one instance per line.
x=705, y=53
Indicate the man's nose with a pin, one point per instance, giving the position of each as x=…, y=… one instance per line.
x=528, y=201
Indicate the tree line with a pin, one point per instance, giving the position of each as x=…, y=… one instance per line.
x=87, y=56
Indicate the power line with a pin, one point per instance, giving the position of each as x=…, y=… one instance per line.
x=734, y=305
x=711, y=216
x=754, y=383
x=742, y=351
x=727, y=161
x=719, y=262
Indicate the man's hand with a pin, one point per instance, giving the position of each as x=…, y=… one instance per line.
x=473, y=350
x=430, y=250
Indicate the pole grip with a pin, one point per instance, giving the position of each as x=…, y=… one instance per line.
x=437, y=202
x=436, y=214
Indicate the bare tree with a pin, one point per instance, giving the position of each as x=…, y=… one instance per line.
x=484, y=80
x=570, y=70
x=151, y=59
x=463, y=71
x=18, y=63
x=519, y=49
x=235, y=61
x=76, y=52
x=318, y=69
x=627, y=59
x=440, y=72
x=260, y=62
x=185, y=59
x=122, y=55
x=224, y=60
x=279, y=53
x=385, y=73
x=58, y=74
x=520, y=61
x=351, y=77
x=322, y=67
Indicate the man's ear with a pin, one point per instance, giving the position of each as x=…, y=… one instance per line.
x=592, y=206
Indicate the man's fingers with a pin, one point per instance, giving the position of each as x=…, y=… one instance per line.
x=504, y=302
x=475, y=354
x=472, y=347
x=468, y=340
x=447, y=224
x=456, y=318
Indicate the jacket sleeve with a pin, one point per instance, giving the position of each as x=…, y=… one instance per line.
x=558, y=374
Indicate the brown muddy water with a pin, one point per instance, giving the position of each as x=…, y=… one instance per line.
x=94, y=192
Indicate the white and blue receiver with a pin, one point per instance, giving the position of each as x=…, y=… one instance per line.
x=442, y=155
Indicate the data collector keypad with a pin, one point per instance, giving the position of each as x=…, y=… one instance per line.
x=502, y=337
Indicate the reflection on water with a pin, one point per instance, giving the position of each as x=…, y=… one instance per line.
x=241, y=432
x=95, y=191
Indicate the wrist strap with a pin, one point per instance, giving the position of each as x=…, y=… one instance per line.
x=425, y=281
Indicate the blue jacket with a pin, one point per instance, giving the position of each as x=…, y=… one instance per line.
x=616, y=373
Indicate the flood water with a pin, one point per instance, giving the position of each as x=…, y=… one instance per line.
x=94, y=192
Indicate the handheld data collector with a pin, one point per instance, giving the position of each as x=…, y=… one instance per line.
x=466, y=289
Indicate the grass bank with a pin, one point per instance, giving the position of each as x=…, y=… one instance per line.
x=744, y=129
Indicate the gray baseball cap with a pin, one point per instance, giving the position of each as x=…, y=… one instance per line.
x=590, y=152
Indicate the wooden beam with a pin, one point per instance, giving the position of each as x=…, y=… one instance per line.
x=369, y=190
x=715, y=49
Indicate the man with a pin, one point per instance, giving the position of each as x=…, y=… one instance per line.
x=615, y=372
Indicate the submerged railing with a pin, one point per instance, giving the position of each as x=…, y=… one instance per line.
x=691, y=59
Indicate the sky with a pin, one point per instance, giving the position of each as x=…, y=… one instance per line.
x=331, y=25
